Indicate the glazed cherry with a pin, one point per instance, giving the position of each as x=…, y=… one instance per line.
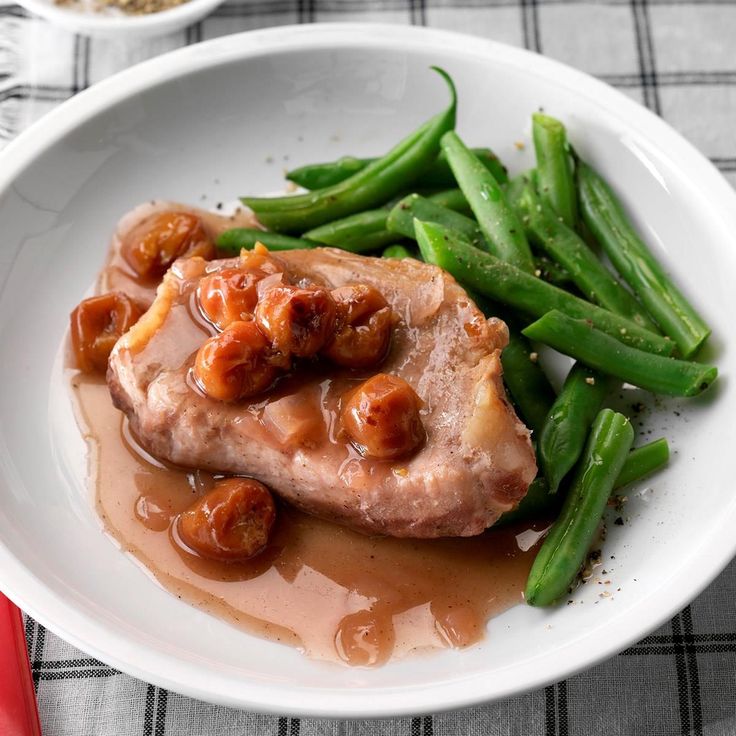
x=231, y=522
x=227, y=296
x=235, y=364
x=97, y=324
x=297, y=321
x=381, y=418
x=363, y=332
x=157, y=241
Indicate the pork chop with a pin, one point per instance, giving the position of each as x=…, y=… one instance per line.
x=477, y=461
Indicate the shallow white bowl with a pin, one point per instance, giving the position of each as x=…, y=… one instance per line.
x=121, y=26
x=218, y=119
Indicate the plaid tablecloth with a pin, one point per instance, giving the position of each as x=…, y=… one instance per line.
x=677, y=57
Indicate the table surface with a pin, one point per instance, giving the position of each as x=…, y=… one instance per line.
x=674, y=56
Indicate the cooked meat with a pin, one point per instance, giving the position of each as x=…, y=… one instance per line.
x=475, y=462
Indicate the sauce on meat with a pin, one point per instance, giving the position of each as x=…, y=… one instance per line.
x=336, y=594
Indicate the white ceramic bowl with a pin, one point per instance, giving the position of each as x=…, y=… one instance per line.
x=109, y=24
x=222, y=118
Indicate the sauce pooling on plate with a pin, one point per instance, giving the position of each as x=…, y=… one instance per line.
x=336, y=594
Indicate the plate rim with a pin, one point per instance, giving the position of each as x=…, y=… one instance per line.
x=82, y=630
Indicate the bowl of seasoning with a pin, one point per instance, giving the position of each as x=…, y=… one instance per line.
x=121, y=18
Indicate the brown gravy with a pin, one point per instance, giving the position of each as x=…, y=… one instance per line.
x=336, y=594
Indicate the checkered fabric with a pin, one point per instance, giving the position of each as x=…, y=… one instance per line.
x=674, y=56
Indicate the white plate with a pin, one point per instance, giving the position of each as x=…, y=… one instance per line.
x=110, y=24
x=208, y=122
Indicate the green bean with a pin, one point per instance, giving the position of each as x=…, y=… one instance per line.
x=526, y=382
x=328, y=173
x=434, y=208
x=518, y=185
x=580, y=340
x=564, y=550
x=504, y=283
x=555, y=168
x=564, y=245
x=366, y=231
x=498, y=222
x=402, y=216
x=357, y=233
x=605, y=217
x=234, y=240
x=551, y=271
x=368, y=188
x=643, y=461
x=438, y=174
x=566, y=425
x=453, y=199
x=539, y=503
x=398, y=252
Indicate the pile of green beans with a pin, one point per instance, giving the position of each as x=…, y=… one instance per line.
x=530, y=245
x=606, y=219
x=523, y=291
x=565, y=246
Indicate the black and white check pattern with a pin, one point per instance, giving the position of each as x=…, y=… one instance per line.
x=677, y=57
